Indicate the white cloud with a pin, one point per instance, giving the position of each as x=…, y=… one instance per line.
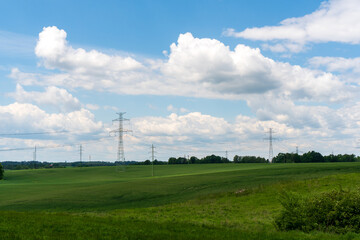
x=170, y=108
x=337, y=64
x=92, y=106
x=207, y=68
x=53, y=97
x=334, y=21
x=113, y=108
x=196, y=132
x=207, y=64
x=173, y=109
x=54, y=51
x=24, y=117
x=183, y=110
x=193, y=123
x=195, y=67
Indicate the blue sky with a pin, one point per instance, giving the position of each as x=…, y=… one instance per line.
x=195, y=77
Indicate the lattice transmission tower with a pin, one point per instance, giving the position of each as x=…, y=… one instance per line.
x=152, y=157
x=271, y=153
x=120, y=131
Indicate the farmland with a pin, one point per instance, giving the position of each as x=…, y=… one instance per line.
x=214, y=201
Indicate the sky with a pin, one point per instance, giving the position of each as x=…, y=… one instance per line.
x=194, y=77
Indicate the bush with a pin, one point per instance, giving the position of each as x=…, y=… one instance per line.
x=336, y=211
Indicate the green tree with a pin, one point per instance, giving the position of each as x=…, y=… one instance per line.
x=1, y=172
x=237, y=159
x=312, y=157
x=286, y=158
x=172, y=160
x=211, y=159
x=194, y=159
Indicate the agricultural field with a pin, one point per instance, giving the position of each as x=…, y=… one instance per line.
x=207, y=201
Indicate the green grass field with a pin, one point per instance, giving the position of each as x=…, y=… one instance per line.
x=209, y=201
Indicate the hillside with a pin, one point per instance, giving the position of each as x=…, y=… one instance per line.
x=220, y=201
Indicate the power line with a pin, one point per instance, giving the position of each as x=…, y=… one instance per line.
x=31, y=133
x=29, y=148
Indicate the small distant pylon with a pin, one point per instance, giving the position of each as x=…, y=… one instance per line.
x=271, y=153
x=34, y=154
x=81, y=152
x=152, y=157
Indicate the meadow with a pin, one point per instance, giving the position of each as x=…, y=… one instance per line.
x=207, y=201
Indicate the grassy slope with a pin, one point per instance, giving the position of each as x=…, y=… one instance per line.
x=179, y=206
x=104, y=188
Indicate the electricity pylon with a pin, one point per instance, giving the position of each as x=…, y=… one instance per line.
x=121, y=131
x=271, y=153
x=152, y=157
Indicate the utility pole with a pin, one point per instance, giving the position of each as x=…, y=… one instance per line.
x=121, y=131
x=226, y=155
x=152, y=158
x=297, y=150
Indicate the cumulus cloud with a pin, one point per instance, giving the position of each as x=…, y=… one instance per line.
x=55, y=52
x=57, y=98
x=334, y=21
x=63, y=133
x=199, y=67
x=208, y=63
x=193, y=123
x=196, y=67
x=195, y=131
x=208, y=68
x=25, y=117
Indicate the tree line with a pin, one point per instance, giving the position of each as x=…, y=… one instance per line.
x=194, y=160
x=313, y=156
x=148, y=162
x=308, y=157
x=249, y=159
x=19, y=165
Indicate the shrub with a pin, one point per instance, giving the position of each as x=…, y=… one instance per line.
x=336, y=211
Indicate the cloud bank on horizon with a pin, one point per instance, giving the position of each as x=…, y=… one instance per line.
x=316, y=107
